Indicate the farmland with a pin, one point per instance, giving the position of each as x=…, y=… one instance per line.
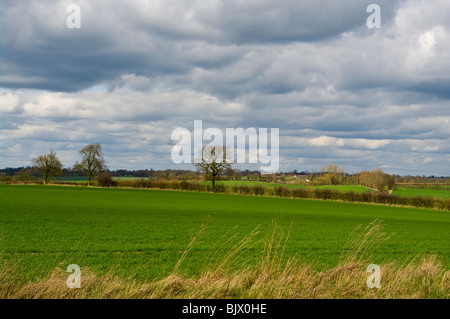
x=143, y=233
x=443, y=192
x=340, y=188
x=439, y=193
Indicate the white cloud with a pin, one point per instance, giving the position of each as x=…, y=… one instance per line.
x=8, y=102
x=329, y=141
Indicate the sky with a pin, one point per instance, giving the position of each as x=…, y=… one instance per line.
x=338, y=91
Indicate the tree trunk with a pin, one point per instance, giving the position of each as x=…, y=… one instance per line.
x=45, y=177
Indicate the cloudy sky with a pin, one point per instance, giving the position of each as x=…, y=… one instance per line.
x=338, y=91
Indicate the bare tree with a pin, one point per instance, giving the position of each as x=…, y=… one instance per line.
x=332, y=175
x=48, y=164
x=377, y=179
x=92, y=162
x=214, y=162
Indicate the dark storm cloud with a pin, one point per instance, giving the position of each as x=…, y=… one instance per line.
x=142, y=38
x=338, y=91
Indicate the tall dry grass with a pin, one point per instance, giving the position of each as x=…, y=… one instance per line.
x=274, y=276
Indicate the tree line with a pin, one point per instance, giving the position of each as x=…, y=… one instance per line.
x=332, y=174
x=213, y=164
x=91, y=164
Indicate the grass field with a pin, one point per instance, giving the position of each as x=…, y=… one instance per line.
x=341, y=188
x=145, y=232
x=422, y=192
x=409, y=192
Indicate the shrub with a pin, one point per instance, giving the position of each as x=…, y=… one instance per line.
x=443, y=204
x=161, y=184
x=259, y=190
x=5, y=178
x=173, y=185
x=349, y=196
x=24, y=176
x=382, y=198
x=299, y=193
x=244, y=189
x=220, y=188
x=416, y=201
x=367, y=196
x=184, y=186
x=105, y=180
x=282, y=191
x=322, y=193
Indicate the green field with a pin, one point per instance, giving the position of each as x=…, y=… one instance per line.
x=144, y=232
x=70, y=179
x=340, y=188
x=409, y=192
x=422, y=192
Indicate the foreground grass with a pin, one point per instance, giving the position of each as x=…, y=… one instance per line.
x=271, y=277
x=146, y=231
x=425, y=279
